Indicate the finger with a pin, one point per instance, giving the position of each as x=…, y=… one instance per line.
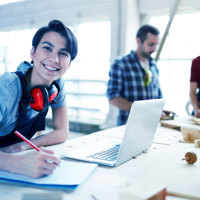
x=52, y=159
x=47, y=150
x=51, y=165
x=46, y=171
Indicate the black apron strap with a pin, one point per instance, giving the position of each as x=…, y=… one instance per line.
x=26, y=97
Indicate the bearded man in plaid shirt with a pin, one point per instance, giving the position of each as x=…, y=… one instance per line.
x=135, y=76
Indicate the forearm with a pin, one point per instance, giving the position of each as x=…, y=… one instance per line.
x=8, y=162
x=58, y=135
x=51, y=138
x=194, y=101
x=60, y=132
x=121, y=103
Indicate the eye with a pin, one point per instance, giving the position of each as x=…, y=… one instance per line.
x=153, y=45
x=64, y=53
x=47, y=48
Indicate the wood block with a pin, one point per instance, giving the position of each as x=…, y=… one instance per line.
x=196, y=120
x=197, y=143
x=170, y=124
x=190, y=134
x=143, y=190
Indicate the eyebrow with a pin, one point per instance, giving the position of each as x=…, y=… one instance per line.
x=50, y=44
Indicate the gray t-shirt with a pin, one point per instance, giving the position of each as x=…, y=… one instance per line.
x=10, y=97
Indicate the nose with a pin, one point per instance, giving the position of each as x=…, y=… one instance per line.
x=54, y=58
x=154, y=48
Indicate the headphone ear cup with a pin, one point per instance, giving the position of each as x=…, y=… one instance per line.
x=40, y=98
x=52, y=92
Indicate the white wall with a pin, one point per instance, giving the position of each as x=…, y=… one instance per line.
x=131, y=22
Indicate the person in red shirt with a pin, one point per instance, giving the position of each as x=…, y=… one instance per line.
x=195, y=85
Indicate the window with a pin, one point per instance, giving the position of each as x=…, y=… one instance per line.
x=15, y=48
x=180, y=47
x=86, y=80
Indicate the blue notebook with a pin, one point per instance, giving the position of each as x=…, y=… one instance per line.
x=68, y=175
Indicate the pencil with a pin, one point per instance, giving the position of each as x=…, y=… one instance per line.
x=27, y=141
x=31, y=144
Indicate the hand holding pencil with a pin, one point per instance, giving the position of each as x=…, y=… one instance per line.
x=37, y=163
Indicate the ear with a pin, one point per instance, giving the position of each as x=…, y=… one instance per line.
x=32, y=53
x=138, y=41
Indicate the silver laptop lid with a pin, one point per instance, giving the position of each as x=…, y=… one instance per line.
x=140, y=129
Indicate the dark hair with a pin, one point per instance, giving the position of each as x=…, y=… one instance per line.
x=58, y=27
x=144, y=30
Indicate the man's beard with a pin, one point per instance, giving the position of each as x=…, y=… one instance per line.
x=146, y=55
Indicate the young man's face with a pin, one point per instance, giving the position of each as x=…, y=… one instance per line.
x=51, y=59
x=149, y=45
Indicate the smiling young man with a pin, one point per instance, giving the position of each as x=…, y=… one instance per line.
x=135, y=76
x=26, y=96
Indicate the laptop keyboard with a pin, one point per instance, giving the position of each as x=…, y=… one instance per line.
x=109, y=154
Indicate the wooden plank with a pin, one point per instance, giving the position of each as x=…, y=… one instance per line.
x=178, y=122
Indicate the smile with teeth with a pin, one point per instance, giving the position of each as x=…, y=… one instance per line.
x=50, y=68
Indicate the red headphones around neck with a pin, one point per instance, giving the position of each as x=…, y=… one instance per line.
x=41, y=97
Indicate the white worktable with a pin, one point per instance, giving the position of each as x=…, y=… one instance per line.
x=162, y=164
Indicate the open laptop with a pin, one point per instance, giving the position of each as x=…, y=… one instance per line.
x=137, y=137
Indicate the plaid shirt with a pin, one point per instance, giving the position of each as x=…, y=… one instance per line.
x=127, y=81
